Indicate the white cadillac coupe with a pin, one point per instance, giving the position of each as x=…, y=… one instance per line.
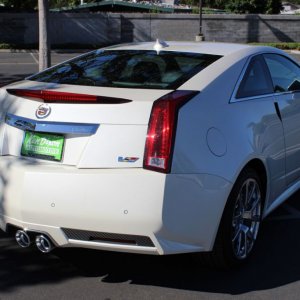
x=154, y=148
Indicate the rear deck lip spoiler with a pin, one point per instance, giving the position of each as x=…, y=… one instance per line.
x=51, y=127
x=49, y=96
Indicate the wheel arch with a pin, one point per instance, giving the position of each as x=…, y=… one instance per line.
x=258, y=166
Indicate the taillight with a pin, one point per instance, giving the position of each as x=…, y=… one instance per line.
x=162, y=129
x=63, y=97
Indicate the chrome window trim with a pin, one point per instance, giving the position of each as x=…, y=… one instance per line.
x=252, y=98
x=52, y=127
x=233, y=98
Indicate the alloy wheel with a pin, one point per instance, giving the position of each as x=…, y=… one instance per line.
x=246, y=218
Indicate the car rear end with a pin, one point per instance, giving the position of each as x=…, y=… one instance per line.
x=87, y=153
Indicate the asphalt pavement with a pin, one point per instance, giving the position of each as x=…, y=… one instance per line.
x=272, y=273
x=17, y=65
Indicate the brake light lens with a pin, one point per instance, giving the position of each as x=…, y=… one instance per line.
x=162, y=130
x=64, y=97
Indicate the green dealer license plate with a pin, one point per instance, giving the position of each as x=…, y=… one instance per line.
x=43, y=145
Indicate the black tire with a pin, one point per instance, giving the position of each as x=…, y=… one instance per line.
x=238, y=228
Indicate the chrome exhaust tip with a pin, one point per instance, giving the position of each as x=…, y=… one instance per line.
x=23, y=239
x=43, y=243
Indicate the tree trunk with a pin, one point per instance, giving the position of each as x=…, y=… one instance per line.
x=44, y=43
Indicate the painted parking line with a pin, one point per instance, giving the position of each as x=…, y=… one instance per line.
x=34, y=58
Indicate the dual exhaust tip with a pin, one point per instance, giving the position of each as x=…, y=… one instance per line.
x=42, y=242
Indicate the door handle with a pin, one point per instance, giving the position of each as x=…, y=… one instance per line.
x=277, y=110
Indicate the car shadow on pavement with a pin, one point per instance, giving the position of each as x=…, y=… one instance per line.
x=24, y=267
x=275, y=263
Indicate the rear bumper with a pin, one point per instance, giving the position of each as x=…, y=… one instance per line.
x=130, y=210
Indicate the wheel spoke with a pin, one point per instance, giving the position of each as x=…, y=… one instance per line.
x=248, y=233
x=240, y=201
x=245, y=233
x=246, y=218
x=239, y=249
x=255, y=204
x=237, y=234
x=245, y=248
x=236, y=218
x=238, y=242
x=251, y=214
x=249, y=196
x=251, y=236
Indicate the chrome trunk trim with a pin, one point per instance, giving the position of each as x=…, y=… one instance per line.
x=53, y=127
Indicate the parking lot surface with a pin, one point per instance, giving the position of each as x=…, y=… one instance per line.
x=17, y=65
x=272, y=273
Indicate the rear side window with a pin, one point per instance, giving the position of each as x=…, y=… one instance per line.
x=256, y=80
x=285, y=73
x=130, y=68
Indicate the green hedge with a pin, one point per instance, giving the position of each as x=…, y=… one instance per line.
x=283, y=46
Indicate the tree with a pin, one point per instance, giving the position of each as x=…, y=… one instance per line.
x=63, y=3
x=66, y=3
x=273, y=6
x=247, y=6
x=20, y=4
x=44, y=44
x=32, y=4
x=221, y=4
x=255, y=6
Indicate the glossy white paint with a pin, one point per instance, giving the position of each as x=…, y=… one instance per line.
x=209, y=48
x=216, y=142
x=289, y=104
x=50, y=197
x=114, y=141
x=122, y=129
x=217, y=136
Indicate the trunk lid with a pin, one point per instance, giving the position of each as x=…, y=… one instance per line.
x=94, y=135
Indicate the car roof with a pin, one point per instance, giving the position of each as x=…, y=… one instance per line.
x=215, y=48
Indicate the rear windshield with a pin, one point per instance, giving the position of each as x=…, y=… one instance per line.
x=128, y=69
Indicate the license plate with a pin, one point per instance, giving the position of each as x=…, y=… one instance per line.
x=43, y=145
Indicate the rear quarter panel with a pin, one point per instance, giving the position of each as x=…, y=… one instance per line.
x=219, y=138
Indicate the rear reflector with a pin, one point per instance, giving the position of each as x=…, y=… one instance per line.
x=162, y=130
x=63, y=97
